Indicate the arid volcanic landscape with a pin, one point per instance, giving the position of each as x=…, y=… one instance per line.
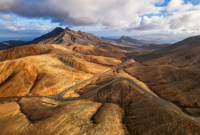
x=70, y=82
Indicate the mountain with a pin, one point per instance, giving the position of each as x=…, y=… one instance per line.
x=140, y=44
x=10, y=44
x=67, y=37
x=149, y=41
x=81, y=42
x=47, y=37
x=129, y=41
x=90, y=44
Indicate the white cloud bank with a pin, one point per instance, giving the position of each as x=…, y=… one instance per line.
x=23, y=28
x=131, y=15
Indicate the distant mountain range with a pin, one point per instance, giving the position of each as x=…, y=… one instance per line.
x=60, y=36
x=66, y=37
x=129, y=41
x=69, y=37
x=10, y=43
x=143, y=44
x=132, y=41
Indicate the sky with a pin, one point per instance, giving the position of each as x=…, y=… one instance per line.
x=166, y=21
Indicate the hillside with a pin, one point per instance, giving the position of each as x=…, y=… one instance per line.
x=173, y=73
x=71, y=82
x=182, y=54
x=46, y=69
x=118, y=108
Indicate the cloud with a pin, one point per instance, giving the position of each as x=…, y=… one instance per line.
x=6, y=5
x=7, y=17
x=178, y=5
x=113, y=13
x=176, y=22
x=178, y=16
x=23, y=28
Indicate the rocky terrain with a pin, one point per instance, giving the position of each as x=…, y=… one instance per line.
x=74, y=83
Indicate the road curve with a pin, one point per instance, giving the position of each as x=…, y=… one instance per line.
x=197, y=119
x=59, y=95
x=141, y=90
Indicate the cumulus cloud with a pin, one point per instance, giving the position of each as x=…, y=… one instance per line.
x=131, y=15
x=179, y=5
x=176, y=22
x=23, y=28
x=114, y=13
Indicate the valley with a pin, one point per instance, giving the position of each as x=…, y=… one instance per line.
x=73, y=82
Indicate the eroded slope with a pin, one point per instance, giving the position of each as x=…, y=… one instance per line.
x=46, y=69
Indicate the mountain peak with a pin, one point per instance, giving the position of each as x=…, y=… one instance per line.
x=57, y=30
x=123, y=37
x=129, y=41
x=67, y=36
x=81, y=33
x=67, y=29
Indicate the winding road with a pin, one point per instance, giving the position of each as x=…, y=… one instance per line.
x=166, y=103
x=59, y=96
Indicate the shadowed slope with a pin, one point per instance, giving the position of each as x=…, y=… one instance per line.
x=47, y=37
x=180, y=86
x=182, y=54
x=144, y=114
